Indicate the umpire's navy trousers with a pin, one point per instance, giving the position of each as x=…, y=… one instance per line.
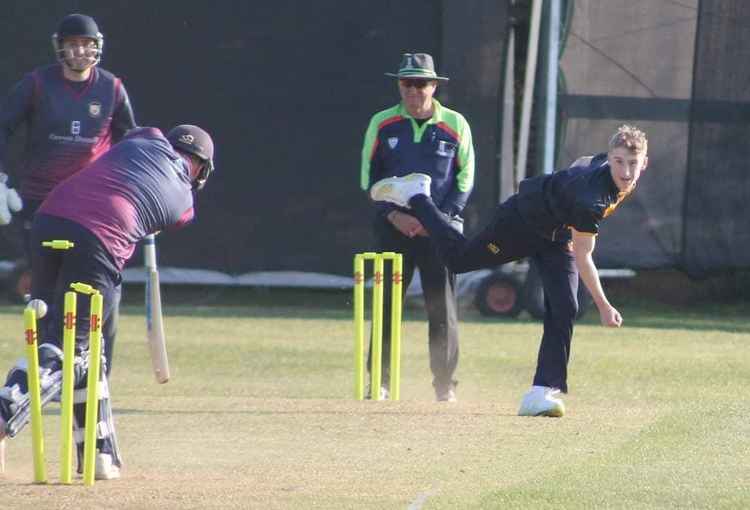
x=506, y=238
x=54, y=270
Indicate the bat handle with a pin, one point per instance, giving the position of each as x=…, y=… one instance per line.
x=149, y=251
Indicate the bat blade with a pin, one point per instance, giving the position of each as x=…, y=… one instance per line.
x=155, y=328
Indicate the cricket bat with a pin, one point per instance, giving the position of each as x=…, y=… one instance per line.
x=154, y=321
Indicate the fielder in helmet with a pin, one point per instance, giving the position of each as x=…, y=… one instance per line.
x=142, y=185
x=78, y=44
x=73, y=111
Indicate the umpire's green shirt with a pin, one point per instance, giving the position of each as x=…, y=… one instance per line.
x=396, y=145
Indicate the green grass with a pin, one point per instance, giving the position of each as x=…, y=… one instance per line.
x=259, y=414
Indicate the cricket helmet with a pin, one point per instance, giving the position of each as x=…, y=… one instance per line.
x=195, y=141
x=78, y=25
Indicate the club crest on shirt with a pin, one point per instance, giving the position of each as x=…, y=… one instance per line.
x=392, y=142
x=95, y=109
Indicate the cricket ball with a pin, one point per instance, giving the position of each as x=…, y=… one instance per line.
x=39, y=306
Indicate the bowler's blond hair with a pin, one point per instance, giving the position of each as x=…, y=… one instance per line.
x=631, y=138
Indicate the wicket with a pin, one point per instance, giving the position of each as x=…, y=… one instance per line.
x=66, y=399
x=378, y=259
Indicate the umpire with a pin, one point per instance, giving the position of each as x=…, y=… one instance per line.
x=421, y=135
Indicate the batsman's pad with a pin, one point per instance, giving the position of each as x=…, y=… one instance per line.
x=14, y=396
x=106, y=436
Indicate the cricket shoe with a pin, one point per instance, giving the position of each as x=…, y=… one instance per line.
x=445, y=392
x=541, y=401
x=385, y=392
x=399, y=190
x=105, y=469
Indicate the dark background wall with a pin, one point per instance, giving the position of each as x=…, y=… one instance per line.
x=286, y=88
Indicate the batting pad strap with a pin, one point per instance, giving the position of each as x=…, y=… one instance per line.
x=50, y=383
x=80, y=395
x=103, y=431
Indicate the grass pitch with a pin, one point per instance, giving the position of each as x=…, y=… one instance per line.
x=260, y=414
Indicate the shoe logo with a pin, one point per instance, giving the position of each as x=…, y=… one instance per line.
x=495, y=249
x=392, y=142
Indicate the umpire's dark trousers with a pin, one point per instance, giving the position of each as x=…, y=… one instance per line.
x=54, y=270
x=438, y=286
x=506, y=238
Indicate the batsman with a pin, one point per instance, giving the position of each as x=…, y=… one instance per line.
x=144, y=184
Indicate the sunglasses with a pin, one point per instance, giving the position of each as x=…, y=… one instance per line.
x=417, y=84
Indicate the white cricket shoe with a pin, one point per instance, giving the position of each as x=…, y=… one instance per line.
x=399, y=190
x=105, y=468
x=385, y=392
x=541, y=401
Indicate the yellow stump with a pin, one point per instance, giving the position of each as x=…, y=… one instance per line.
x=376, y=360
x=396, y=304
x=66, y=399
x=92, y=396
x=37, y=434
x=359, y=327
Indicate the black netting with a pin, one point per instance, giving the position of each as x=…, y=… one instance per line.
x=717, y=236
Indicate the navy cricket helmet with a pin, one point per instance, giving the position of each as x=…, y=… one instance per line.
x=196, y=141
x=78, y=25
